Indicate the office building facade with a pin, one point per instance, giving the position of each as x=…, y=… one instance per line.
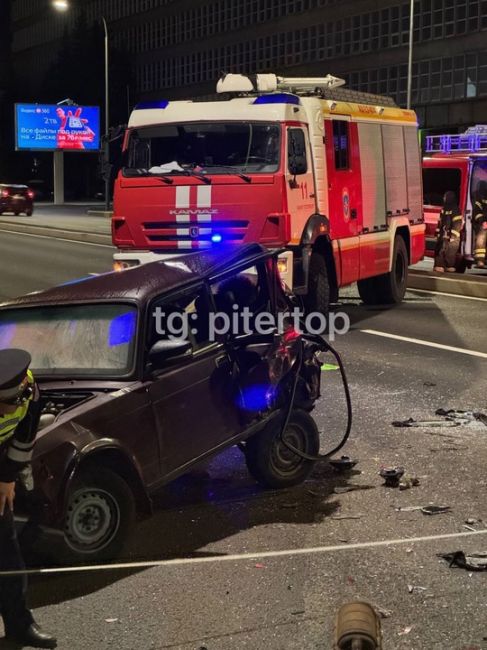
x=180, y=47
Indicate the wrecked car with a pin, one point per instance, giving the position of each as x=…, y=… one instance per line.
x=129, y=405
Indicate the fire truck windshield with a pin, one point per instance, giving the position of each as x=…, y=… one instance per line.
x=219, y=148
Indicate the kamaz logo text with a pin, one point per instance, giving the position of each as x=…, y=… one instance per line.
x=193, y=211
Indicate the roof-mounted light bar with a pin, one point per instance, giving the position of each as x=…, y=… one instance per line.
x=474, y=140
x=269, y=83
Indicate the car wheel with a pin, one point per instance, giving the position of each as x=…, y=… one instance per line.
x=318, y=296
x=271, y=463
x=389, y=288
x=16, y=213
x=100, y=512
x=29, y=212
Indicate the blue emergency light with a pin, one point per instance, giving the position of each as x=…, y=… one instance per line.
x=216, y=238
x=158, y=103
x=473, y=140
x=278, y=98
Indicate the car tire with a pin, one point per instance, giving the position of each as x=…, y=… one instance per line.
x=318, y=296
x=16, y=213
x=389, y=288
x=99, y=514
x=271, y=463
x=29, y=213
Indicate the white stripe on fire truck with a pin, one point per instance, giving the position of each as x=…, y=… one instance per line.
x=182, y=201
x=203, y=200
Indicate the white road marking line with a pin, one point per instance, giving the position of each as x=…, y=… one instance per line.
x=429, y=344
x=70, y=241
x=236, y=557
x=450, y=295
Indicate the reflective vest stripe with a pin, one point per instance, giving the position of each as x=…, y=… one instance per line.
x=8, y=423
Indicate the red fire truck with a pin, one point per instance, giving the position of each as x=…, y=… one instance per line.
x=456, y=163
x=328, y=174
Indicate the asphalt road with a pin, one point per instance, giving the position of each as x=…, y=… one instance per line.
x=289, y=602
x=33, y=262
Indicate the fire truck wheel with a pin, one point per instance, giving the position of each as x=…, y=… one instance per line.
x=318, y=296
x=388, y=289
x=271, y=463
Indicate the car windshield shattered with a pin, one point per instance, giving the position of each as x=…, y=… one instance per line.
x=73, y=340
x=216, y=148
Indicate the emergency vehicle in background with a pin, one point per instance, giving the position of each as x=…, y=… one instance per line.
x=456, y=163
x=330, y=175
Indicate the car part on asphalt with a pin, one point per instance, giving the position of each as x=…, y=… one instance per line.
x=435, y=510
x=469, y=561
x=357, y=627
x=391, y=475
x=343, y=464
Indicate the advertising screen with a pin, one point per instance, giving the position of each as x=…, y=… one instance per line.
x=53, y=127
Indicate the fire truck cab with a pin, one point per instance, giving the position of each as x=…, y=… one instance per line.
x=456, y=163
x=328, y=174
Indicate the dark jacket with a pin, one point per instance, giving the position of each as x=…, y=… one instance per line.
x=450, y=221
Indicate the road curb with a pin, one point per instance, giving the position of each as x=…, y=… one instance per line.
x=455, y=283
x=57, y=233
x=100, y=213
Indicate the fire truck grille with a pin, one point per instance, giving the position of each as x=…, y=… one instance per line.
x=194, y=231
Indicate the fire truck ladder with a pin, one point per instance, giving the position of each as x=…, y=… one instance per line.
x=474, y=140
x=327, y=87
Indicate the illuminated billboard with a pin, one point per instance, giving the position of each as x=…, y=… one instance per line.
x=50, y=127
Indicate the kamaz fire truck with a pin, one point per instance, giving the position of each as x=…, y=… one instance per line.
x=456, y=163
x=331, y=176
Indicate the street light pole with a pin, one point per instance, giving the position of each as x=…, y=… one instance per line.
x=63, y=5
x=410, y=58
x=107, y=122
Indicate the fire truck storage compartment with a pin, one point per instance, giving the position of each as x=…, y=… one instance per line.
x=413, y=168
x=395, y=169
x=372, y=170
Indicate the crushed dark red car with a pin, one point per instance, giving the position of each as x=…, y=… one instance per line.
x=119, y=394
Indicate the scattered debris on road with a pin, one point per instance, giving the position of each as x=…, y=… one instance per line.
x=351, y=488
x=469, y=561
x=408, y=508
x=341, y=517
x=383, y=612
x=391, y=475
x=408, y=482
x=406, y=630
x=435, y=510
x=416, y=588
x=111, y=620
x=343, y=464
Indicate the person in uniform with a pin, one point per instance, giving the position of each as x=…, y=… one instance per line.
x=448, y=234
x=19, y=418
x=479, y=221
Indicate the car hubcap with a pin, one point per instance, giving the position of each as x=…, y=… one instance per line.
x=283, y=459
x=92, y=520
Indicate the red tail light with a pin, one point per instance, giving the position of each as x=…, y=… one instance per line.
x=5, y=193
x=30, y=194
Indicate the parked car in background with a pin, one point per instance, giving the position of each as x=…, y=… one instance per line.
x=126, y=409
x=16, y=198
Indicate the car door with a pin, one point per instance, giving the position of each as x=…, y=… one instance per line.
x=191, y=397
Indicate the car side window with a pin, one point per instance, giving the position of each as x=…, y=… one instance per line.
x=182, y=316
